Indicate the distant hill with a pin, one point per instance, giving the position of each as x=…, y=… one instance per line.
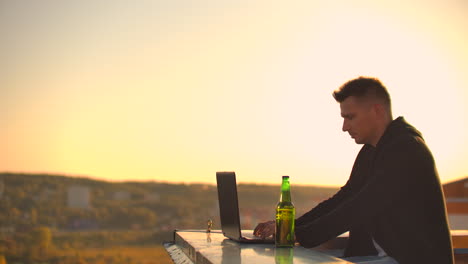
x=76, y=203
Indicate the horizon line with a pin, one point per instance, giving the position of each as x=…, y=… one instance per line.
x=80, y=176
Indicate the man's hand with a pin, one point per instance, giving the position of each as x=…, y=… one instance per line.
x=265, y=229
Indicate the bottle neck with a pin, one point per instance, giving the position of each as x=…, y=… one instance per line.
x=285, y=191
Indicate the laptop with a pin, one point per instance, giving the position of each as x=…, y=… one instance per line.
x=229, y=211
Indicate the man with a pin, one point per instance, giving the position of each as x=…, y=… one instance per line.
x=393, y=198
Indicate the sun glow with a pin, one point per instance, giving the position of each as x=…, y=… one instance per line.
x=161, y=93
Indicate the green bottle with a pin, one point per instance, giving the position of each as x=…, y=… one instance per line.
x=285, y=217
x=284, y=255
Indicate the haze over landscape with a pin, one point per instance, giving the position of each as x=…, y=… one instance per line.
x=177, y=90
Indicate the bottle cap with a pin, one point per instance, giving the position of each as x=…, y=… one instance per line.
x=287, y=177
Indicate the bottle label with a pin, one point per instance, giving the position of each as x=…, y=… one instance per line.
x=285, y=227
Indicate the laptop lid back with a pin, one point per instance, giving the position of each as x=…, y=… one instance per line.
x=228, y=204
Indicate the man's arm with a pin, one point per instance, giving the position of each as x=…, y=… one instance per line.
x=392, y=181
x=267, y=229
x=353, y=184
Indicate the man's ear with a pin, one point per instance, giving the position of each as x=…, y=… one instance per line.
x=379, y=110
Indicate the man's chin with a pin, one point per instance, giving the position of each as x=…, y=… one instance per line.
x=358, y=141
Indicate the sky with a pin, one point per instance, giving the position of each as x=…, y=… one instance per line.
x=177, y=90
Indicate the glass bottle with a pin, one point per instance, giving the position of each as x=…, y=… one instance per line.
x=284, y=255
x=285, y=217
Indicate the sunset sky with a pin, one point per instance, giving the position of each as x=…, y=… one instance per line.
x=177, y=90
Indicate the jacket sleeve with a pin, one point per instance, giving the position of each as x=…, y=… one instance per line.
x=389, y=182
x=344, y=193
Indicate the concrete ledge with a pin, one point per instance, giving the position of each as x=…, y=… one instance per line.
x=176, y=254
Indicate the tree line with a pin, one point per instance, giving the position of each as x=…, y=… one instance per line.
x=37, y=219
x=41, y=200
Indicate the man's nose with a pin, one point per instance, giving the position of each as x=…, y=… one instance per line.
x=345, y=126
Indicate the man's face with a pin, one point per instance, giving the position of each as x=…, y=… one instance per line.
x=359, y=119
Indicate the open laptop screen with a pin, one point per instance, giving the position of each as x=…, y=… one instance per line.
x=228, y=204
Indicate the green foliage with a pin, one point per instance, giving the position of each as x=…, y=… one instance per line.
x=41, y=200
x=42, y=238
x=126, y=213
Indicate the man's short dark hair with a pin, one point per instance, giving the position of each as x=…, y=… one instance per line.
x=363, y=87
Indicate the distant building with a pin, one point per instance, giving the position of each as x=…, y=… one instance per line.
x=78, y=197
x=152, y=197
x=122, y=196
x=456, y=196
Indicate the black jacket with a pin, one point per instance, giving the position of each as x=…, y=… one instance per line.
x=393, y=196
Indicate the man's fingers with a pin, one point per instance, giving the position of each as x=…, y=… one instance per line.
x=258, y=228
x=265, y=229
